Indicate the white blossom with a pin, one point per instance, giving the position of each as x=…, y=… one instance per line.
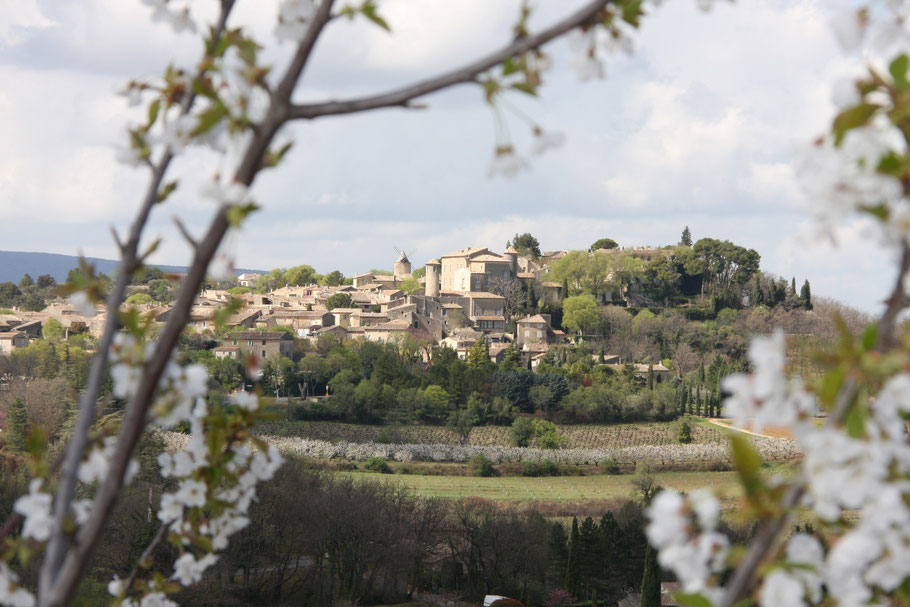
x=116, y=586
x=545, y=140
x=293, y=18
x=171, y=509
x=126, y=379
x=10, y=594
x=506, y=163
x=781, y=589
x=191, y=493
x=80, y=300
x=178, y=132
x=849, y=27
x=246, y=400
x=189, y=571
x=156, y=599
x=845, y=94
x=36, y=508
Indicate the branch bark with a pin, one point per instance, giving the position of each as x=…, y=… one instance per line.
x=467, y=73
x=59, y=588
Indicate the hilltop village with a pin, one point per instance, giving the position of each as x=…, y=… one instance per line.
x=514, y=300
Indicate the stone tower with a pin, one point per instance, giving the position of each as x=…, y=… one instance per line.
x=512, y=256
x=431, y=286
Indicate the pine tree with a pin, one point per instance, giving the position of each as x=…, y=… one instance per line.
x=650, y=581
x=805, y=296
x=558, y=555
x=686, y=239
x=573, y=566
x=17, y=426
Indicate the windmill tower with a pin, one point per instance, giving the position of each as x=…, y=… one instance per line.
x=402, y=268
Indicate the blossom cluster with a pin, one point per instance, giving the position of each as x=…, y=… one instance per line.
x=684, y=531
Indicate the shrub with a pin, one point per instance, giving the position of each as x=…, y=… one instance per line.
x=481, y=466
x=684, y=436
x=377, y=464
x=545, y=468
x=610, y=466
x=522, y=432
x=550, y=440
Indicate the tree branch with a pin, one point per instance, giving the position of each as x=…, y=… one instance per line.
x=134, y=420
x=53, y=557
x=467, y=73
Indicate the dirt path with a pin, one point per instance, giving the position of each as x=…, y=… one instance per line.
x=735, y=429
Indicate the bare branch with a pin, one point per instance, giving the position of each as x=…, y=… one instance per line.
x=467, y=73
x=147, y=553
x=185, y=233
x=120, y=246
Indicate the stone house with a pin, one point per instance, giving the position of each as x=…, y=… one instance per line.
x=11, y=340
x=262, y=344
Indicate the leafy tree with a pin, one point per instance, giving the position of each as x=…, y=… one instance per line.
x=525, y=244
x=663, y=279
x=478, y=357
x=461, y=421
x=139, y=299
x=26, y=281
x=45, y=281
x=686, y=238
x=542, y=398
x=17, y=426
x=9, y=294
x=333, y=279
x=522, y=432
x=603, y=243
x=339, y=300
x=650, y=581
x=580, y=313
x=53, y=330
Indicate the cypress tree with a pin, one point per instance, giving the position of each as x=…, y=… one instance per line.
x=17, y=426
x=805, y=296
x=603, y=354
x=701, y=374
x=793, y=286
x=565, y=287
x=558, y=554
x=573, y=566
x=650, y=377
x=650, y=581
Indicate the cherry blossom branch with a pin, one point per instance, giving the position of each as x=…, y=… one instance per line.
x=468, y=73
x=128, y=264
x=136, y=413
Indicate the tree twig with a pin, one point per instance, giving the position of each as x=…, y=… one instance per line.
x=467, y=73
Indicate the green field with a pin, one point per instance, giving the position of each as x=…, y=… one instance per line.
x=555, y=488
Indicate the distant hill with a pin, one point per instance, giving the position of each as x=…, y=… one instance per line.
x=13, y=264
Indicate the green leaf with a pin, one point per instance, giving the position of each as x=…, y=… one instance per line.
x=509, y=66
x=632, y=12
x=748, y=464
x=167, y=190
x=691, y=600
x=898, y=69
x=870, y=337
x=154, y=108
x=369, y=11
x=830, y=385
x=237, y=213
x=856, y=423
x=852, y=118
x=525, y=87
x=209, y=118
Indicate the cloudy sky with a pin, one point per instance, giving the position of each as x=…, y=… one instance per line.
x=699, y=127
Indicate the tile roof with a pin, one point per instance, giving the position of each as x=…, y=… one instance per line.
x=266, y=335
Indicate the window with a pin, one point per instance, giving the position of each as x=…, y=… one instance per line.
x=234, y=342
x=263, y=342
x=251, y=342
x=263, y=354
